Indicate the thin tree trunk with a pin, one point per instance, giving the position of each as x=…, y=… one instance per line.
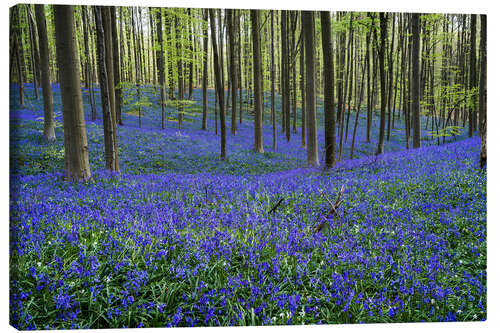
x=233, y=70
x=219, y=86
x=383, y=98
x=48, y=114
x=205, y=70
x=309, y=43
x=285, y=79
x=416, y=78
x=273, y=111
x=482, y=92
x=257, y=82
x=179, y=72
x=160, y=64
x=329, y=89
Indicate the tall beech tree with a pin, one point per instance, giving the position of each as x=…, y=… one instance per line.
x=218, y=86
x=482, y=92
x=107, y=90
x=116, y=66
x=76, y=158
x=205, y=70
x=383, y=98
x=415, y=65
x=329, y=89
x=310, y=87
x=272, y=70
x=160, y=64
x=257, y=82
x=232, y=68
x=285, y=74
x=48, y=104
x=472, y=76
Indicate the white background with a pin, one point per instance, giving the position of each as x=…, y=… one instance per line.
x=429, y=6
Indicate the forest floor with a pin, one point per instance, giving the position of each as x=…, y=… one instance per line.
x=180, y=238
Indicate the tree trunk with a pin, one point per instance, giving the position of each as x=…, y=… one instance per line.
x=205, y=70
x=329, y=89
x=76, y=158
x=180, y=75
x=285, y=79
x=482, y=92
x=257, y=72
x=273, y=108
x=160, y=64
x=415, y=33
x=103, y=59
x=18, y=42
x=233, y=70
x=302, y=94
x=383, y=98
x=309, y=43
x=117, y=91
x=218, y=86
x=48, y=114
x=472, y=76
x=35, y=60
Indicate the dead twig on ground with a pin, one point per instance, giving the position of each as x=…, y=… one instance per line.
x=333, y=209
x=272, y=210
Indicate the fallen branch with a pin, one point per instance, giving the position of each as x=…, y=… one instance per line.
x=332, y=211
x=276, y=206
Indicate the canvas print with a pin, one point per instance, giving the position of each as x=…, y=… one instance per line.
x=229, y=167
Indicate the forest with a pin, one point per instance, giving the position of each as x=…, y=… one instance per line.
x=230, y=167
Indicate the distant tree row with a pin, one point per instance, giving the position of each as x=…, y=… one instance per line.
x=414, y=67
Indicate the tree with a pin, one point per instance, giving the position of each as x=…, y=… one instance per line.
x=472, y=76
x=116, y=66
x=482, y=92
x=329, y=89
x=273, y=107
x=219, y=87
x=161, y=66
x=285, y=78
x=18, y=50
x=205, y=69
x=180, y=76
x=232, y=67
x=415, y=86
x=48, y=113
x=383, y=98
x=76, y=159
x=309, y=43
x=257, y=81
x=107, y=91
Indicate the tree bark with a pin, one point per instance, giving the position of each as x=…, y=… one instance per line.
x=218, y=86
x=160, y=64
x=110, y=145
x=329, y=89
x=76, y=159
x=233, y=70
x=205, y=70
x=48, y=113
x=257, y=72
x=383, y=99
x=482, y=92
x=117, y=91
x=309, y=43
x=415, y=33
x=472, y=76
x=273, y=106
